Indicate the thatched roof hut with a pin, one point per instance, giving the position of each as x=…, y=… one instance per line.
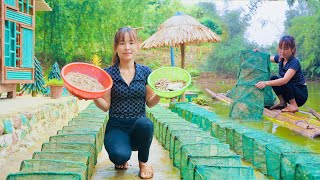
x=180, y=30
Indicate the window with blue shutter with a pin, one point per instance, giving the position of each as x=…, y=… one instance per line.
x=27, y=48
x=26, y=6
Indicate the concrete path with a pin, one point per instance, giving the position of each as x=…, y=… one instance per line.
x=159, y=159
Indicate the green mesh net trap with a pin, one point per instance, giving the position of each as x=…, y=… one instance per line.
x=187, y=170
x=194, y=114
x=221, y=130
x=247, y=144
x=229, y=130
x=248, y=101
x=307, y=171
x=274, y=157
x=203, y=149
x=72, y=153
x=175, y=127
x=75, y=156
x=91, y=115
x=77, y=138
x=95, y=129
x=237, y=139
x=85, y=147
x=290, y=160
x=86, y=122
x=91, y=119
x=44, y=176
x=186, y=133
x=259, y=151
x=203, y=172
x=180, y=141
x=161, y=130
x=45, y=165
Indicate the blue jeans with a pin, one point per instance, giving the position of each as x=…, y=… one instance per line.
x=124, y=135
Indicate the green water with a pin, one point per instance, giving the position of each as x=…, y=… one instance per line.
x=314, y=96
x=223, y=110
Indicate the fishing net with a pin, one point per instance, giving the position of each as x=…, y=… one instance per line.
x=158, y=126
x=230, y=134
x=223, y=172
x=187, y=134
x=92, y=115
x=203, y=149
x=187, y=170
x=307, y=171
x=77, y=138
x=248, y=101
x=84, y=129
x=169, y=128
x=274, y=155
x=67, y=155
x=45, y=165
x=44, y=176
x=247, y=144
x=89, y=122
x=71, y=146
x=270, y=154
x=290, y=160
x=180, y=141
x=259, y=151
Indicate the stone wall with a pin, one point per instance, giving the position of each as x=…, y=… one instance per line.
x=15, y=127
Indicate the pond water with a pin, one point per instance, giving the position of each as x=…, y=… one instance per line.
x=314, y=96
x=223, y=110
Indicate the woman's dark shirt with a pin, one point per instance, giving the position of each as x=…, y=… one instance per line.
x=293, y=63
x=128, y=101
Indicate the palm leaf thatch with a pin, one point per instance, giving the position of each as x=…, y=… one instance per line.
x=180, y=29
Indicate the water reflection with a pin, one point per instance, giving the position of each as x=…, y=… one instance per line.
x=314, y=96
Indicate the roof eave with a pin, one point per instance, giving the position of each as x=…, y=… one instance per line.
x=41, y=5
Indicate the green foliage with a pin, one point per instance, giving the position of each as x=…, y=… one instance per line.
x=212, y=25
x=38, y=84
x=193, y=72
x=155, y=13
x=225, y=58
x=306, y=30
x=54, y=82
x=200, y=101
x=154, y=65
x=207, y=15
x=55, y=72
x=77, y=29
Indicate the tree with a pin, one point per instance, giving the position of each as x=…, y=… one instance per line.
x=55, y=72
x=38, y=85
x=305, y=28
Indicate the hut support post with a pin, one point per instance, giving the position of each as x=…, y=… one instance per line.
x=182, y=47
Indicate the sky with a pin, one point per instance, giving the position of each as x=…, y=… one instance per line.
x=272, y=12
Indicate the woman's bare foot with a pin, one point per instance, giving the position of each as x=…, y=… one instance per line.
x=146, y=171
x=278, y=106
x=290, y=108
x=123, y=166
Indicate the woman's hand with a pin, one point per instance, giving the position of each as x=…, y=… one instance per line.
x=261, y=84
